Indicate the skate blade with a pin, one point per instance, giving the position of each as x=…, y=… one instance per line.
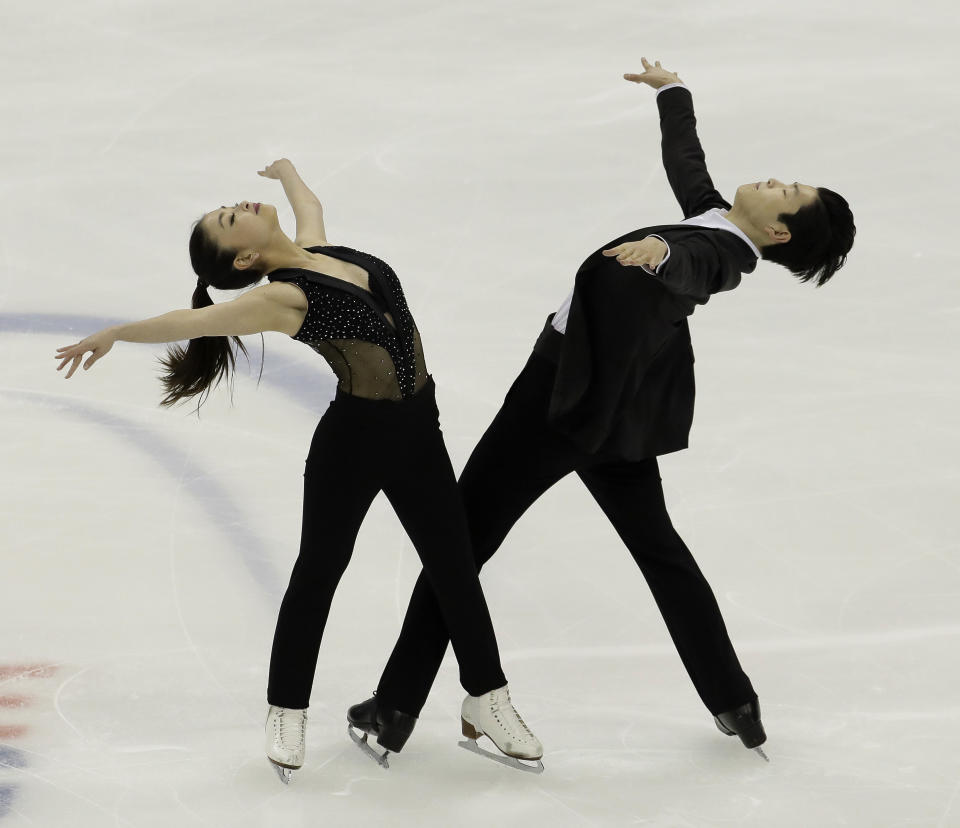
x=760, y=751
x=285, y=774
x=510, y=761
x=379, y=758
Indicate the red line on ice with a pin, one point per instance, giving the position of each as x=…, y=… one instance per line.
x=12, y=731
x=8, y=671
x=14, y=701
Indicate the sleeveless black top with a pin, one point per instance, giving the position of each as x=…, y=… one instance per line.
x=346, y=325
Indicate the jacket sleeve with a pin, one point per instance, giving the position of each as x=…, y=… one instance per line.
x=697, y=268
x=683, y=157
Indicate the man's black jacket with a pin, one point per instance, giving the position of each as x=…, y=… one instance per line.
x=624, y=383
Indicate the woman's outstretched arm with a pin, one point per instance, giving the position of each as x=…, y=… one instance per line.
x=306, y=206
x=274, y=307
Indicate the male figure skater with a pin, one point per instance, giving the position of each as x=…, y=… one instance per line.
x=608, y=388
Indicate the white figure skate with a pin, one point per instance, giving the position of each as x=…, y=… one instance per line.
x=286, y=740
x=493, y=715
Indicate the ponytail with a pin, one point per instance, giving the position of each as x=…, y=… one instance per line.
x=205, y=361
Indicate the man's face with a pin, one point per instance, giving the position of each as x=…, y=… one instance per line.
x=763, y=201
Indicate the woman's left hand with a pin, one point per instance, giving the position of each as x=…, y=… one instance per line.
x=99, y=343
x=277, y=169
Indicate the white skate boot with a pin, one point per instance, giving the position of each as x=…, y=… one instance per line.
x=494, y=715
x=286, y=740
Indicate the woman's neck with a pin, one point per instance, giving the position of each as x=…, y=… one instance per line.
x=283, y=252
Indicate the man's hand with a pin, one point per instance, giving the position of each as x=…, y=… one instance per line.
x=655, y=76
x=649, y=251
x=277, y=169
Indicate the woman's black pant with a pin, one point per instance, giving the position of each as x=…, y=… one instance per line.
x=518, y=458
x=362, y=447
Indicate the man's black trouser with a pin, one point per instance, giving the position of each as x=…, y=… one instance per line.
x=518, y=458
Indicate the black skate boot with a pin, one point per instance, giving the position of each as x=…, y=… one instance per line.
x=744, y=721
x=391, y=727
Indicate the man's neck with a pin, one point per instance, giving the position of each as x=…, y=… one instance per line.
x=758, y=237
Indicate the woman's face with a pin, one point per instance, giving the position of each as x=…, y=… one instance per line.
x=247, y=226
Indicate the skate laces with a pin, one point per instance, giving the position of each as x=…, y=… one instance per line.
x=501, y=704
x=292, y=727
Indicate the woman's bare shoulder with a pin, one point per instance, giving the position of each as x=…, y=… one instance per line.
x=286, y=294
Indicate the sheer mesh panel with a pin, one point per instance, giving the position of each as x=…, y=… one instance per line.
x=366, y=370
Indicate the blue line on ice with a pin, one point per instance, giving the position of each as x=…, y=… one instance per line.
x=7, y=795
x=11, y=757
x=203, y=488
x=308, y=388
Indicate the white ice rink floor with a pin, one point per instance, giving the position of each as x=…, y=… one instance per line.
x=483, y=149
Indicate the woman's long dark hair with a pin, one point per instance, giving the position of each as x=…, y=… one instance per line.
x=194, y=370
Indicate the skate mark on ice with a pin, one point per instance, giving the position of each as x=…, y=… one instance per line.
x=176, y=798
x=8, y=793
x=71, y=793
x=543, y=791
x=56, y=701
x=732, y=598
x=950, y=803
x=356, y=780
x=226, y=517
x=902, y=715
x=877, y=577
x=175, y=588
x=11, y=758
x=154, y=103
x=780, y=645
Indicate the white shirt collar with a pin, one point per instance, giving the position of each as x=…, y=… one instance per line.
x=716, y=218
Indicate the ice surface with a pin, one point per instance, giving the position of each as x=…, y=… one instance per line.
x=483, y=149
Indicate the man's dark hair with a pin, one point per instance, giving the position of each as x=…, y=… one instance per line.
x=821, y=235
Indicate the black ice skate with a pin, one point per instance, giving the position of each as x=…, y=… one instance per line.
x=744, y=721
x=391, y=727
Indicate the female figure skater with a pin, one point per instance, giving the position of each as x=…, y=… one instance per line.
x=609, y=387
x=380, y=433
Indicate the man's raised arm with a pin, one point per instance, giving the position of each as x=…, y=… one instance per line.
x=683, y=157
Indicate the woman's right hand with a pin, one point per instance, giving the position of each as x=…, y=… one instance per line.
x=99, y=343
x=277, y=169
